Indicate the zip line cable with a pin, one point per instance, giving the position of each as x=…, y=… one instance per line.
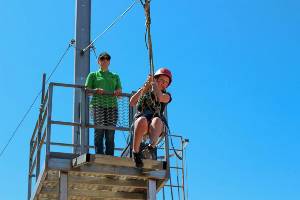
x=113, y=23
x=31, y=106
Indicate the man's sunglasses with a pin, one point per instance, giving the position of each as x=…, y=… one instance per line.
x=104, y=58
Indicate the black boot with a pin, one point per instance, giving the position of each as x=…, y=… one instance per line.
x=152, y=151
x=138, y=159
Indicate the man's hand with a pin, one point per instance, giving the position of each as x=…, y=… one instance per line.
x=99, y=91
x=117, y=92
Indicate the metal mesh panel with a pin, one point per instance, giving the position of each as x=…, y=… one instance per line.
x=108, y=110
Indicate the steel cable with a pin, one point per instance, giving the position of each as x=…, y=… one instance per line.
x=113, y=23
x=32, y=104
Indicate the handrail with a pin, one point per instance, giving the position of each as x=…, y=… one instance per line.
x=42, y=109
x=39, y=147
x=35, y=141
x=120, y=128
x=32, y=167
x=46, y=112
x=108, y=93
x=65, y=123
x=36, y=145
x=42, y=140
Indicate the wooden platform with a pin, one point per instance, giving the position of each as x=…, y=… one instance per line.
x=95, y=177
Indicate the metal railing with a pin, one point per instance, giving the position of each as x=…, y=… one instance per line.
x=176, y=186
x=41, y=140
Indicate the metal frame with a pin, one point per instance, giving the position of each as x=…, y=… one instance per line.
x=180, y=186
x=42, y=134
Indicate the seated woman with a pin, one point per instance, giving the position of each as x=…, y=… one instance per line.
x=151, y=101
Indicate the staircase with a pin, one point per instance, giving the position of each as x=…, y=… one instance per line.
x=97, y=177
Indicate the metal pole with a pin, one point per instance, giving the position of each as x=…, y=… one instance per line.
x=167, y=154
x=84, y=136
x=29, y=173
x=49, y=112
x=40, y=126
x=151, y=194
x=182, y=169
x=63, y=185
x=82, y=60
x=167, y=147
x=131, y=115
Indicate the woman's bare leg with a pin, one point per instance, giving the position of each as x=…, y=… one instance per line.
x=140, y=129
x=155, y=130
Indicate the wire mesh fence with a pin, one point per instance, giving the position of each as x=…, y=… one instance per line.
x=109, y=111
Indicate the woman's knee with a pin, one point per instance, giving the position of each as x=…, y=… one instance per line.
x=156, y=127
x=156, y=122
x=141, y=123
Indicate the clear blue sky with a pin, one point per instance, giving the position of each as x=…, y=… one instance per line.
x=235, y=89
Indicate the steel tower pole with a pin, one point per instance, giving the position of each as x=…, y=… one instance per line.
x=82, y=67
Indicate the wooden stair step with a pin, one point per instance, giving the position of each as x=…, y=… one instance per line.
x=104, y=181
x=79, y=194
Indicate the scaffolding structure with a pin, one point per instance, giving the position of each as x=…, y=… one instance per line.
x=56, y=173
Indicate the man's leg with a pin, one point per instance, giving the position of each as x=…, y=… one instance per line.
x=111, y=119
x=109, y=142
x=99, y=133
x=98, y=141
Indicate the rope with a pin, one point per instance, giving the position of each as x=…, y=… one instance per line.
x=146, y=6
x=31, y=106
x=173, y=148
x=113, y=23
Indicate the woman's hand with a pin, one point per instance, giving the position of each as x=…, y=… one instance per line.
x=147, y=84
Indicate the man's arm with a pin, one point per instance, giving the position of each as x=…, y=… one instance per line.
x=118, y=90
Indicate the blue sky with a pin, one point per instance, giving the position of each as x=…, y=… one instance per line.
x=235, y=89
